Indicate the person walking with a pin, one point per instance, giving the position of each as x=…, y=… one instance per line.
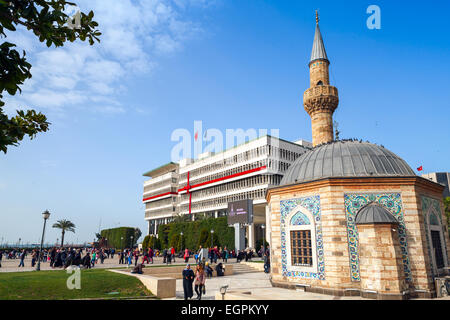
x=94, y=257
x=225, y=255
x=136, y=256
x=121, y=257
x=172, y=253
x=199, y=282
x=165, y=256
x=1, y=257
x=188, y=279
x=186, y=255
x=130, y=257
x=22, y=258
x=102, y=256
x=33, y=258
x=150, y=254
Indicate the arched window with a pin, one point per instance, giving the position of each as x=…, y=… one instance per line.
x=301, y=241
x=320, y=83
x=437, y=240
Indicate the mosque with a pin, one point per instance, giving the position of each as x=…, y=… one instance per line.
x=351, y=217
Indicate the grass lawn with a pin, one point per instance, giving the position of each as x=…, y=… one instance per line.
x=51, y=285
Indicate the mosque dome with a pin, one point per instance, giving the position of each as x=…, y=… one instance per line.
x=346, y=159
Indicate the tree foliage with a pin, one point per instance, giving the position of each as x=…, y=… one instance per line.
x=47, y=20
x=122, y=237
x=197, y=233
x=64, y=225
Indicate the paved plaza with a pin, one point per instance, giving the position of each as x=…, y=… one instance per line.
x=255, y=285
x=11, y=265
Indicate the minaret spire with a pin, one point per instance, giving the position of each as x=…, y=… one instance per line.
x=321, y=99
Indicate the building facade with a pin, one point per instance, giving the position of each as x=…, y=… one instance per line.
x=351, y=217
x=203, y=187
x=441, y=178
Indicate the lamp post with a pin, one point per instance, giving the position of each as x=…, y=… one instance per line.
x=45, y=215
x=212, y=233
x=121, y=242
x=264, y=240
x=181, y=234
x=131, y=242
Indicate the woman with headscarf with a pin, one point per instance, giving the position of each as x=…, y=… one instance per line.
x=188, y=278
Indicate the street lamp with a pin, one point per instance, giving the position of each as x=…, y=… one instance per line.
x=264, y=240
x=181, y=234
x=131, y=242
x=212, y=233
x=45, y=215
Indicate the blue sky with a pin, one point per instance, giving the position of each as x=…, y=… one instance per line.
x=163, y=64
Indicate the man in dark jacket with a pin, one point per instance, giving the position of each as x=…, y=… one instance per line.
x=188, y=279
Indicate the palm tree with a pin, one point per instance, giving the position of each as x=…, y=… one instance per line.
x=64, y=225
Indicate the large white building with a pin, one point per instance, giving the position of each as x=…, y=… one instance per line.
x=205, y=186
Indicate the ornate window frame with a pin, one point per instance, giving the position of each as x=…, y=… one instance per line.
x=433, y=227
x=310, y=227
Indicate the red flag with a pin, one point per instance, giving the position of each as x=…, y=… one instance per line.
x=196, y=136
x=420, y=168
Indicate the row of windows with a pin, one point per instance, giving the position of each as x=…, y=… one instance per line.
x=235, y=185
x=161, y=191
x=220, y=201
x=160, y=203
x=245, y=156
x=229, y=172
x=165, y=183
x=242, y=157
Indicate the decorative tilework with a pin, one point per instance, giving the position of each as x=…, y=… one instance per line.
x=393, y=203
x=312, y=204
x=300, y=219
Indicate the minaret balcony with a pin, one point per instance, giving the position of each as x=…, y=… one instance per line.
x=321, y=98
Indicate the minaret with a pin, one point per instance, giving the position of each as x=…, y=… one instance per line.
x=321, y=99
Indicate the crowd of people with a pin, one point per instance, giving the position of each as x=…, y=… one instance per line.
x=60, y=257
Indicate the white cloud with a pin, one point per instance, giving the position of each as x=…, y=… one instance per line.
x=134, y=35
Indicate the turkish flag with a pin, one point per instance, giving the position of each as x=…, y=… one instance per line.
x=196, y=136
x=420, y=168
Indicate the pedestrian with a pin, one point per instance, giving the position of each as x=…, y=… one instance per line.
x=208, y=270
x=150, y=254
x=1, y=257
x=186, y=255
x=172, y=253
x=86, y=262
x=33, y=258
x=220, y=270
x=164, y=255
x=22, y=258
x=121, y=257
x=136, y=256
x=199, y=281
x=188, y=279
x=225, y=255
